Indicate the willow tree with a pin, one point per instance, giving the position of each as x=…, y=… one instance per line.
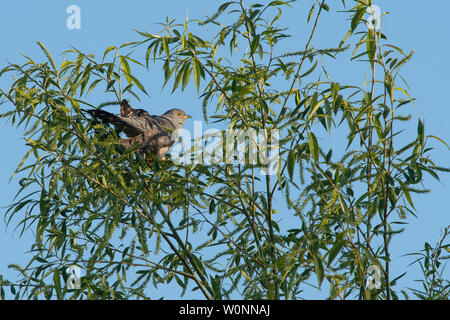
x=131, y=225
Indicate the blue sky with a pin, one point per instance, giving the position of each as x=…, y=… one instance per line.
x=420, y=25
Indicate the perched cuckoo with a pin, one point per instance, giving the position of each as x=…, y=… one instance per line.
x=152, y=133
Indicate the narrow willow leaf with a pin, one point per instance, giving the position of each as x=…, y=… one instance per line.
x=110, y=84
x=57, y=283
x=408, y=197
x=44, y=204
x=254, y=45
x=395, y=47
x=165, y=47
x=179, y=77
x=311, y=11
x=107, y=51
x=440, y=140
x=371, y=46
x=357, y=18
x=291, y=162
x=310, y=70
x=212, y=206
x=297, y=98
x=220, y=10
x=334, y=251
x=49, y=57
x=186, y=75
x=93, y=85
x=126, y=69
x=318, y=268
x=420, y=132
x=325, y=7
x=197, y=73
x=314, y=109
x=313, y=146
x=279, y=3
x=138, y=84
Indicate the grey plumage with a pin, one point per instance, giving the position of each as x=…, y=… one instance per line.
x=153, y=133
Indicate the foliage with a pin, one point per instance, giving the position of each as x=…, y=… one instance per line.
x=130, y=225
x=431, y=260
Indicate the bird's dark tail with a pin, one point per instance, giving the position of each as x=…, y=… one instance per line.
x=102, y=115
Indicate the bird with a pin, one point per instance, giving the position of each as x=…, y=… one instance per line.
x=153, y=133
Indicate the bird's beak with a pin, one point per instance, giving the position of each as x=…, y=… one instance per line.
x=187, y=116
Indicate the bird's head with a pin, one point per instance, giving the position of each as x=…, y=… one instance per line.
x=177, y=116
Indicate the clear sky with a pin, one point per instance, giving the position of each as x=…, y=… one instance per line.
x=411, y=24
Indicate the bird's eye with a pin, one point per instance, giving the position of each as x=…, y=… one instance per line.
x=179, y=113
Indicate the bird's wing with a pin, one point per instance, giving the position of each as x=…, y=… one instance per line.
x=131, y=126
x=136, y=122
x=155, y=125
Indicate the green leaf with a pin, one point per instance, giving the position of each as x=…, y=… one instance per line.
x=279, y=3
x=408, y=197
x=57, y=283
x=93, y=85
x=318, y=268
x=357, y=18
x=44, y=203
x=41, y=260
x=395, y=47
x=107, y=51
x=314, y=109
x=440, y=140
x=221, y=9
x=325, y=7
x=328, y=156
x=311, y=11
x=246, y=276
x=138, y=84
x=371, y=46
x=297, y=98
x=186, y=75
x=49, y=57
x=254, y=45
x=310, y=70
x=165, y=46
x=212, y=206
x=179, y=76
x=334, y=251
x=420, y=132
x=126, y=69
x=291, y=162
x=197, y=73
x=313, y=146
x=110, y=84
